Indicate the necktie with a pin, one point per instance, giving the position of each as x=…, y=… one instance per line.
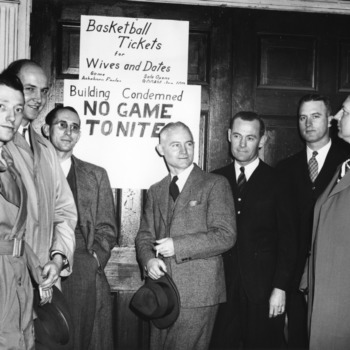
x=313, y=166
x=241, y=181
x=173, y=189
x=8, y=186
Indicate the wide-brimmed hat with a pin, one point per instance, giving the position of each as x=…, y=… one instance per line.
x=53, y=325
x=158, y=300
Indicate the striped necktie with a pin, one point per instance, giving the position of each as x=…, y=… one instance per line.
x=241, y=181
x=313, y=166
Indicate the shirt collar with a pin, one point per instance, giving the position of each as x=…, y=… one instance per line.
x=183, y=176
x=65, y=165
x=248, y=169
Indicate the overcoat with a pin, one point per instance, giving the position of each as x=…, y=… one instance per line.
x=16, y=291
x=87, y=290
x=328, y=270
x=51, y=210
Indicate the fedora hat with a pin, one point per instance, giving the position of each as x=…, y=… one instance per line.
x=158, y=301
x=53, y=326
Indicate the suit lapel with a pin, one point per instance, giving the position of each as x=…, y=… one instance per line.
x=163, y=198
x=85, y=186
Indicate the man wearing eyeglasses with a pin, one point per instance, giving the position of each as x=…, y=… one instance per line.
x=86, y=290
x=51, y=210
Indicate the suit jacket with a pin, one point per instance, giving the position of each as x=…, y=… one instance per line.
x=265, y=245
x=202, y=227
x=301, y=194
x=95, y=209
x=52, y=213
x=329, y=274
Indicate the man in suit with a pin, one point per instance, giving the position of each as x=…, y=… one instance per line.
x=16, y=257
x=258, y=269
x=51, y=209
x=86, y=290
x=305, y=176
x=328, y=268
x=184, y=234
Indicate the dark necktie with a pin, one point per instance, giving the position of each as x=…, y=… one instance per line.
x=241, y=181
x=313, y=166
x=173, y=189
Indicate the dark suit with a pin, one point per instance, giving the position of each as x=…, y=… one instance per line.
x=202, y=227
x=262, y=259
x=87, y=290
x=302, y=195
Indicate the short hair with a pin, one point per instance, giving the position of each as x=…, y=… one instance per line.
x=315, y=97
x=49, y=119
x=15, y=67
x=250, y=117
x=171, y=126
x=11, y=81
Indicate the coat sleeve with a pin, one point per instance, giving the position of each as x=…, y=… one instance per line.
x=65, y=218
x=105, y=235
x=220, y=234
x=146, y=235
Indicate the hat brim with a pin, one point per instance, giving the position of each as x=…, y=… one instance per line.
x=168, y=320
x=53, y=325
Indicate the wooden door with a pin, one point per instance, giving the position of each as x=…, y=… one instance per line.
x=57, y=49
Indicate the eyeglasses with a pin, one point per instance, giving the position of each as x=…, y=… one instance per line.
x=63, y=125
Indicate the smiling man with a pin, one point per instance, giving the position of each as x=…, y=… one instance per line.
x=16, y=258
x=258, y=269
x=87, y=291
x=305, y=176
x=51, y=210
x=186, y=225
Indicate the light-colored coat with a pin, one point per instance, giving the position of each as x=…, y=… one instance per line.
x=52, y=213
x=16, y=291
x=202, y=227
x=329, y=269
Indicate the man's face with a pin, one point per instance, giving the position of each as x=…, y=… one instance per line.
x=177, y=147
x=343, y=118
x=11, y=112
x=314, y=123
x=35, y=87
x=245, y=140
x=64, y=133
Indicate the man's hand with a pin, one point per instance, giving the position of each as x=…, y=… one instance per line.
x=165, y=247
x=155, y=268
x=51, y=272
x=277, y=302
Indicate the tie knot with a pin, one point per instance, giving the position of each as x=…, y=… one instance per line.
x=175, y=178
x=242, y=169
x=314, y=154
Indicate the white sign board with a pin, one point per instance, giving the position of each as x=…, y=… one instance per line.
x=134, y=50
x=121, y=122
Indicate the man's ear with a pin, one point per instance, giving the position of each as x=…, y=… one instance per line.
x=159, y=149
x=262, y=141
x=46, y=130
x=229, y=131
x=330, y=118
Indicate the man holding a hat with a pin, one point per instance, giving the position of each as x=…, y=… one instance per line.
x=186, y=225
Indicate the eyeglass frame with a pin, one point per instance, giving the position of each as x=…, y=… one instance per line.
x=65, y=128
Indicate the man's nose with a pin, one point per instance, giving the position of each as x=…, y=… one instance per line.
x=183, y=149
x=242, y=142
x=68, y=130
x=308, y=121
x=10, y=115
x=338, y=116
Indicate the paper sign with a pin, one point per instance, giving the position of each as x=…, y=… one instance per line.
x=121, y=122
x=133, y=50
